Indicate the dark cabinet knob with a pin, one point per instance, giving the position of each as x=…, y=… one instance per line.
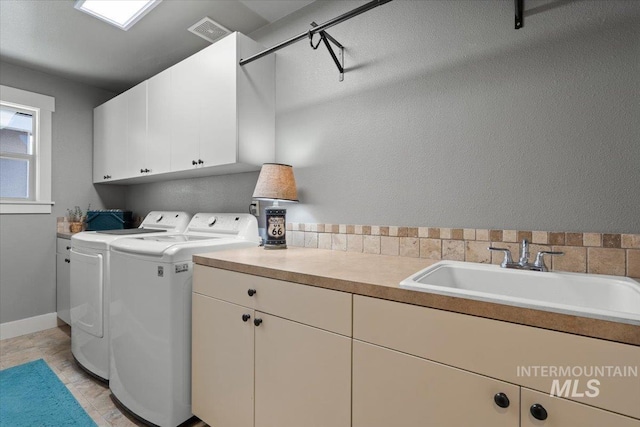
x=147, y=170
x=252, y=292
x=200, y=162
x=141, y=170
x=257, y=322
x=68, y=247
x=246, y=317
x=538, y=412
x=67, y=260
x=193, y=162
x=501, y=400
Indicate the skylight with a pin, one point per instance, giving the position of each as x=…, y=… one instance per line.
x=121, y=13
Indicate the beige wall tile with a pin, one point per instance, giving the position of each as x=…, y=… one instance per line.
x=342, y=228
x=393, y=231
x=468, y=234
x=509, y=236
x=453, y=250
x=298, y=238
x=357, y=229
x=289, y=226
x=607, y=261
x=413, y=232
x=389, y=245
x=525, y=235
x=482, y=234
x=423, y=232
x=631, y=241
x=541, y=237
x=445, y=233
x=403, y=231
x=307, y=226
x=457, y=234
x=633, y=263
x=339, y=242
x=611, y=241
x=354, y=242
x=434, y=232
x=574, y=259
x=556, y=239
x=366, y=230
x=310, y=240
x=324, y=241
x=320, y=228
x=592, y=239
x=477, y=252
x=410, y=247
x=371, y=244
x=495, y=235
x=431, y=248
x=351, y=229
x=375, y=230
x=384, y=230
x=574, y=239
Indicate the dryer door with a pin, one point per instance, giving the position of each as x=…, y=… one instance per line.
x=87, y=292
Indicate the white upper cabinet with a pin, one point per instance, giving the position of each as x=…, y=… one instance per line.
x=206, y=115
x=110, y=140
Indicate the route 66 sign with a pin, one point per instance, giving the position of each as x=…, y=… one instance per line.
x=276, y=228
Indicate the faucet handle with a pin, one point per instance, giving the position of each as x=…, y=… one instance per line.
x=507, y=256
x=539, y=263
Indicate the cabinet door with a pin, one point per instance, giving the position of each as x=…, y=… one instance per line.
x=222, y=363
x=302, y=375
x=395, y=389
x=185, y=100
x=158, y=151
x=135, y=157
x=563, y=413
x=110, y=145
x=63, y=294
x=217, y=112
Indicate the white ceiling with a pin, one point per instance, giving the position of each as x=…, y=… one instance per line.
x=52, y=36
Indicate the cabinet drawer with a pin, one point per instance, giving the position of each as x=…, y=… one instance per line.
x=63, y=245
x=323, y=308
x=509, y=352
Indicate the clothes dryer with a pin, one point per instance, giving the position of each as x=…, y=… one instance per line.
x=90, y=286
x=150, y=314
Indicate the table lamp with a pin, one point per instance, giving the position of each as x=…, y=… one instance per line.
x=276, y=182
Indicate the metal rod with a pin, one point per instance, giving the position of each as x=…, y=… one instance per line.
x=321, y=27
x=327, y=35
x=323, y=35
x=519, y=6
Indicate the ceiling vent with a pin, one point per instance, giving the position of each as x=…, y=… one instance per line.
x=209, y=30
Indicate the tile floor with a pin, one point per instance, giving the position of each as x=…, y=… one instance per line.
x=54, y=346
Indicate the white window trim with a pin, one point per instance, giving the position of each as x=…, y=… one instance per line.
x=45, y=106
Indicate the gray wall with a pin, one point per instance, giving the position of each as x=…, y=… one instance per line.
x=449, y=117
x=28, y=242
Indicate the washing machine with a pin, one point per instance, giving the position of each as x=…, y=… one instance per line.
x=150, y=314
x=90, y=286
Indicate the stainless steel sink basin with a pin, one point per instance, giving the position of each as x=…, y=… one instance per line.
x=589, y=295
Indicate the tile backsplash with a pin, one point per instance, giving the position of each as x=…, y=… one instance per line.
x=599, y=253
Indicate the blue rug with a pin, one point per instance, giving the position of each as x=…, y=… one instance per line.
x=31, y=395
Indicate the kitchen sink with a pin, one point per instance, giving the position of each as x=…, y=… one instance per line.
x=597, y=296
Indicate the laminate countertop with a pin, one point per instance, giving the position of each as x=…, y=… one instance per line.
x=379, y=276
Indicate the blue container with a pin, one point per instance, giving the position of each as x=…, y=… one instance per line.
x=114, y=219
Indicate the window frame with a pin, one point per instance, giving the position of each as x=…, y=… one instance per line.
x=32, y=158
x=43, y=106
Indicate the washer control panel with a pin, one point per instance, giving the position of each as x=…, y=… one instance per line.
x=175, y=221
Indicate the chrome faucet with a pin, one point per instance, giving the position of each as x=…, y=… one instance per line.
x=523, y=262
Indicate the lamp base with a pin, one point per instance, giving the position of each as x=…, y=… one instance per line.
x=276, y=228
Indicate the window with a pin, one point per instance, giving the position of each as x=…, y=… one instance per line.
x=25, y=151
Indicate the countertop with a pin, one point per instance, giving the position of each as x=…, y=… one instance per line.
x=64, y=234
x=379, y=276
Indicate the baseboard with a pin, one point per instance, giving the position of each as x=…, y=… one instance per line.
x=28, y=325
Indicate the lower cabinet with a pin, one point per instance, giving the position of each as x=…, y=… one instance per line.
x=63, y=280
x=396, y=389
x=254, y=367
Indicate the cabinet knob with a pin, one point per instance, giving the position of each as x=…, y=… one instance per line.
x=252, y=292
x=501, y=400
x=257, y=322
x=141, y=170
x=67, y=260
x=538, y=412
x=147, y=170
x=200, y=162
x=246, y=317
x=68, y=247
x=193, y=162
